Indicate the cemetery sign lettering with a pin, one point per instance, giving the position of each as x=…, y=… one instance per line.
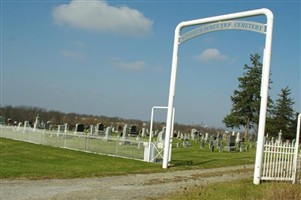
x=225, y=25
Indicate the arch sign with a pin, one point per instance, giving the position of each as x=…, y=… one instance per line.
x=217, y=23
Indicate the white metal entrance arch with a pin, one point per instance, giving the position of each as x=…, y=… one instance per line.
x=215, y=24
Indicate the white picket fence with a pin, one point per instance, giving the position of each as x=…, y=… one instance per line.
x=113, y=146
x=278, y=163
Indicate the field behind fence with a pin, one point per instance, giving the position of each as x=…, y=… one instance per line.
x=113, y=146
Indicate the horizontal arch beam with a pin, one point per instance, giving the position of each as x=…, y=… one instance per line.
x=223, y=25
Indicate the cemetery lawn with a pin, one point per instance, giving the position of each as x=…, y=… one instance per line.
x=21, y=160
x=194, y=157
x=34, y=161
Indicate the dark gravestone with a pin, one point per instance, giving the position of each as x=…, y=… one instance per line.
x=10, y=122
x=119, y=128
x=230, y=143
x=100, y=129
x=79, y=128
x=133, y=131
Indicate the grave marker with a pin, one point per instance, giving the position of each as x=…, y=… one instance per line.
x=79, y=128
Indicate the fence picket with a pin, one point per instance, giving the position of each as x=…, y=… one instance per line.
x=278, y=161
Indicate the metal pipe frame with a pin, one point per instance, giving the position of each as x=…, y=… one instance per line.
x=264, y=84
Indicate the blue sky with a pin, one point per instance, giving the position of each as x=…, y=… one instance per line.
x=114, y=58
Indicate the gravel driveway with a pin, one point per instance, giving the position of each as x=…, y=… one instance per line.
x=137, y=186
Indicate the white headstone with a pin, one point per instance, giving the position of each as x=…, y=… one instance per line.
x=108, y=132
x=60, y=128
x=161, y=135
x=91, y=129
x=19, y=126
x=181, y=136
x=178, y=134
x=280, y=136
x=26, y=126
x=237, y=140
x=125, y=132
x=143, y=132
x=66, y=127
x=194, y=134
x=185, y=136
x=206, y=137
x=36, y=123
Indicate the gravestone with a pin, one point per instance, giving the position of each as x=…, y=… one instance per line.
x=194, y=134
x=61, y=129
x=202, y=142
x=279, y=140
x=99, y=129
x=26, y=126
x=133, y=131
x=66, y=127
x=125, y=132
x=178, y=134
x=237, y=140
x=225, y=136
x=19, y=126
x=108, y=133
x=211, y=145
x=241, y=146
x=206, y=137
x=161, y=135
x=79, y=128
x=36, y=123
x=119, y=128
x=181, y=136
x=230, y=143
x=48, y=125
x=143, y=132
x=91, y=129
x=10, y=122
x=139, y=143
x=185, y=136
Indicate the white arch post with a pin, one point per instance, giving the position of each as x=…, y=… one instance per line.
x=220, y=23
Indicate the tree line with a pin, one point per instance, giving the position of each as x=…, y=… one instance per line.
x=27, y=113
x=246, y=105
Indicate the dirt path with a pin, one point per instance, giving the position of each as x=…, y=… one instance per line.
x=138, y=186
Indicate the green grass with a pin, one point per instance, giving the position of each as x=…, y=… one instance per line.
x=26, y=160
x=21, y=160
x=196, y=157
x=240, y=190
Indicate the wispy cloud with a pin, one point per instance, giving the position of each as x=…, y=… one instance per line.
x=209, y=40
x=100, y=16
x=212, y=54
x=78, y=44
x=75, y=55
x=137, y=65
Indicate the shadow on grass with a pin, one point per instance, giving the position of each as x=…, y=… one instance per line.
x=192, y=163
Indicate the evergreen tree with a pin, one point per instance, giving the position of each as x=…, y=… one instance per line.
x=246, y=100
x=283, y=115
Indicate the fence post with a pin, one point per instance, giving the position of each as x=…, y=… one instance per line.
x=65, y=136
x=296, y=150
